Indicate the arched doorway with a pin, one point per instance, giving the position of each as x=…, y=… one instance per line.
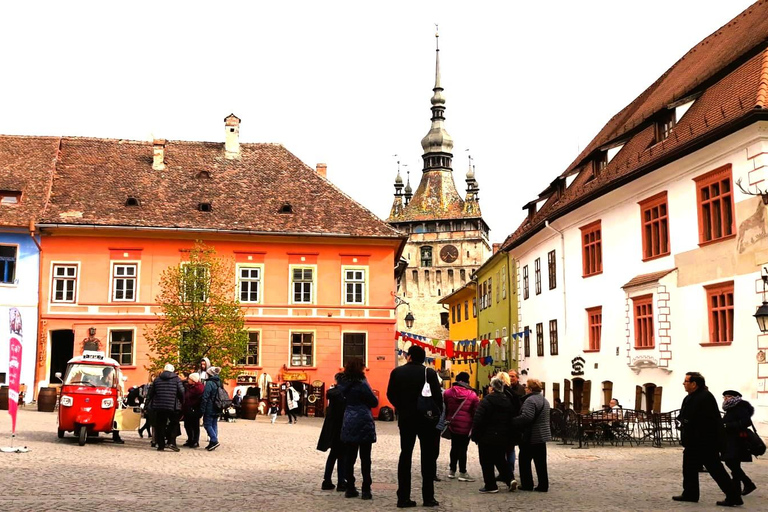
x=581, y=390
x=648, y=398
x=62, y=350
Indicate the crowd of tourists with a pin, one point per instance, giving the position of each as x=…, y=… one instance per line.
x=509, y=417
x=168, y=401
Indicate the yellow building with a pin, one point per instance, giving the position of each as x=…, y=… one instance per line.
x=462, y=325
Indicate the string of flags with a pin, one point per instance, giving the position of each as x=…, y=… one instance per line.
x=466, y=350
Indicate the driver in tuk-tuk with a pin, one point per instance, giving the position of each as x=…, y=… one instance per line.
x=107, y=377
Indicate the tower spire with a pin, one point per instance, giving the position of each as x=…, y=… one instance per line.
x=437, y=144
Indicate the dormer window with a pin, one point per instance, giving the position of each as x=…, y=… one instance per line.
x=205, y=207
x=132, y=201
x=10, y=197
x=203, y=175
x=599, y=163
x=286, y=208
x=665, y=125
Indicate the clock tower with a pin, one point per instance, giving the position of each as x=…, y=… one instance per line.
x=448, y=238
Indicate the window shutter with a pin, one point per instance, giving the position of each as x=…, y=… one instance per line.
x=555, y=391
x=567, y=393
x=607, y=392
x=638, y=398
x=657, y=400
x=586, y=392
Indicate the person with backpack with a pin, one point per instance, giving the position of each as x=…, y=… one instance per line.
x=208, y=405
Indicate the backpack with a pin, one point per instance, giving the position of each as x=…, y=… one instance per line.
x=221, y=399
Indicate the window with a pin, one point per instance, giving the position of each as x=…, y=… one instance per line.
x=488, y=301
x=7, y=264
x=643, y=321
x=301, y=348
x=458, y=313
x=720, y=305
x=655, y=225
x=196, y=283
x=552, y=267
x=664, y=125
x=354, y=346
x=474, y=307
x=10, y=197
x=302, y=279
x=553, y=337
x=595, y=323
x=466, y=310
x=64, y=283
x=527, y=341
x=537, y=275
x=525, y=282
x=249, y=284
x=504, y=282
x=592, y=251
x=252, y=351
x=453, y=314
x=715, y=198
x=124, y=282
x=354, y=286
x=121, y=347
x=539, y=339
x=426, y=256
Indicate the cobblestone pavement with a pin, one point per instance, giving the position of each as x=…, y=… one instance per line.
x=261, y=466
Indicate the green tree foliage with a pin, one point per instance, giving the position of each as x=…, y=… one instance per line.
x=199, y=316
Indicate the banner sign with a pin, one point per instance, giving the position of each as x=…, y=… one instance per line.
x=14, y=365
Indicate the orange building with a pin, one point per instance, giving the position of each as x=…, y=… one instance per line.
x=314, y=270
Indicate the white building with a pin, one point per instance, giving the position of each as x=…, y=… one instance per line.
x=642, y=261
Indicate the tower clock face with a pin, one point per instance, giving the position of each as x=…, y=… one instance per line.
x=449, y=253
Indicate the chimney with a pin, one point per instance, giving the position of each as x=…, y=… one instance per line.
x=321, y=170
x=496, y=248
x=158, y=154
x=232, y=137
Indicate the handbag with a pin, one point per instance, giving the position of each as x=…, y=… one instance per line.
x=446, y=433
x=755, y=443
x=425, y=405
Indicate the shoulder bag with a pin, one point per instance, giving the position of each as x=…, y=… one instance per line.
x=446, y=433
x=755, y=443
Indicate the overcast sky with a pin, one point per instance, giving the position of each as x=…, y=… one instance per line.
x=527, y=84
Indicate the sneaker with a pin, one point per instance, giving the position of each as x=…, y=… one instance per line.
x=327, y=486
x=464, y=477
x=174, y=448
x=488, y=491
x=512, y=487
x=451, y=475
x=212, y=446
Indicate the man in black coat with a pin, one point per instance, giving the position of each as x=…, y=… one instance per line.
x=330, y=436
x=403, y=391
x=702, y=436
x=167, y=396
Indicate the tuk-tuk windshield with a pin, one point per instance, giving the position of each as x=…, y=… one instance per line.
x=89, y=374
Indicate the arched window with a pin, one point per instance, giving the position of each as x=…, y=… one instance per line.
x=426, y=256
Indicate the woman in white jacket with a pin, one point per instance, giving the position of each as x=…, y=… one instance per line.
x=292, y=399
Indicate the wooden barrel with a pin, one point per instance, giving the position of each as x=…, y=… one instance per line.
x=46, y=399
x=249, y=408
x=4, y=398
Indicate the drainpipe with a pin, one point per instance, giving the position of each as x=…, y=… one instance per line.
x=39, y=303
x=562, y=257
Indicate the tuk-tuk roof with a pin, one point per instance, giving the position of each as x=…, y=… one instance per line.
x=95, y=358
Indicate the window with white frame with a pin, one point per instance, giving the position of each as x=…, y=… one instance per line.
x=124, y=277
x=354, y=286
x=64, y=283
x=8, y=257
x=302, y=279
x=121, y=346
x=249, y=284
x=252, y=353
x=196, y=283
x=302, y=345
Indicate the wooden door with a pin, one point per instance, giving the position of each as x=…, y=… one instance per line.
x=638, y=398
x=607, y=393
x=555, y=391
x=586, y=392
x=657, y=400
x=567, y=393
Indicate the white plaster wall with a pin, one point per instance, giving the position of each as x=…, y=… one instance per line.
x=728, y=367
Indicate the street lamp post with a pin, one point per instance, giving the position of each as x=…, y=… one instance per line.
x=761, y=315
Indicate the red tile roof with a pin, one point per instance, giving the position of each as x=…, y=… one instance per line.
x=647, y=278
x=436, y=198
x=94, y=178
x=729, y=69
x=26, y=166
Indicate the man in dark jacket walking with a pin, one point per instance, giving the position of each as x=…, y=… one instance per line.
x=167, y=396
x=404, y=389
x=702, y=437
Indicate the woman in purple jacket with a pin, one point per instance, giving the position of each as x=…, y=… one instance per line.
x=460, y=405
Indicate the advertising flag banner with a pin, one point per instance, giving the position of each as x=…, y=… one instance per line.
x=14, y=365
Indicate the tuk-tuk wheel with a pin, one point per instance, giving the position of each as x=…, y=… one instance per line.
x=82, y=436
x=61, y=434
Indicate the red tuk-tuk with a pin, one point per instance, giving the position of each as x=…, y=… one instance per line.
x=89, y=395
